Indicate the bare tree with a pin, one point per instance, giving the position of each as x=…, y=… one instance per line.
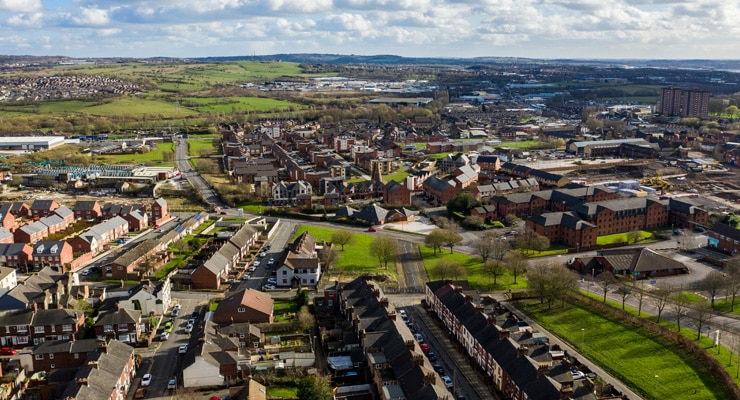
x=713, y=283
x=516, y=263
x=385, y=249
x=640, y=295
x=445, y=268
x=452, y=239
x=661, y=298
x=329, y=257
x=435, y=239
x=493, y=268
x=606, y=280
x=342, y=237
x=489, y=246
x=680, y=305
x=701, y=314
x=624, y=292
x=732, y=288
x=550, y=281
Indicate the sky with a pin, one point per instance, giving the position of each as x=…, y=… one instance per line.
x=605, y=29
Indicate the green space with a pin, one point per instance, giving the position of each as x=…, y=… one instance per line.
x=281, y=307
x=627, y=237
x=630, y=354
x=196, y=146
x=398, y=176
x=526, y=144
x=137, y=107
x=282, y=392
x=555, y=249
x=153, y=157
x=354, y=259
x=477, y=278
x=238, y=104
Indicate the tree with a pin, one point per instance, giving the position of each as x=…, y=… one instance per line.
x=605, y=281
x=661, y=298
x=680, y=305
x=435, y=239
x=314, y=388
x=305, y=318
x=550, y=281
x=493, y=268
x=328, y=257
x=624, y=292
x=713, y=283
x=634, y=237
x=639, y=295
x=532, y=241
x=302, y=297
x=452, y=239
x=701, y=314
x=473, y=222
x=732, y=288
x=516, y=263
x=342, y=237
x=490, y=246
x=445, y=268
x=384, y=249
x=462, y=203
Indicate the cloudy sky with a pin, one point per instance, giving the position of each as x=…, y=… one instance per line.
x=414, y=28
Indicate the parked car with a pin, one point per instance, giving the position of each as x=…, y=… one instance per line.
x=191, y=321
x=699, y=229
x=252, y=268
x=7, y=351
x=424, y=347
x=372, y=229
x=182, y=349
x=146, y=380
x=256, y=264
x=272, y=280
x=576, y=374
x=164, y=336
x=188, y=328
x=263, y=254
x=431, y=356
x=175, y=312
x=168, y=327
x=172, y=384
x=269, y=287
x=246, y=277
x=439, y=368
x=271, y=261
x=419, y=338
x=268, y=247
x=177, y=306
x=140, y=393
x=86, y=272
x=448, y=382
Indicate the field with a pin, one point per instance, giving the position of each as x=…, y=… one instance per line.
x=477, y=278
x=195, y=146
x=630, y=354
x=238, y=104
x=153, y=157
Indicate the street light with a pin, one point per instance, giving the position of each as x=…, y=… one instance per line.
x=583, y=339
x=655, y=394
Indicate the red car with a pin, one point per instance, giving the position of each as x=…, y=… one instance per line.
x=372, y=229
x=424, y=347
x=7, y=351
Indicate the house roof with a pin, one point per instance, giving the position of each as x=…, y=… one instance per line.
x=567, y=219
x=119, y=317
x=373, y=214
x=58, y=316
x=254, y=299
x=640, y=259
x=47, y=247
x=42, y=204
x=98, y=378
x=64, y=212
x=66, y=346
x=726, y=230
x=84, y=205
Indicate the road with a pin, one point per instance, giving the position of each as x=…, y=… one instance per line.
x=181, y=159
x=278, y=243
x=411, y=273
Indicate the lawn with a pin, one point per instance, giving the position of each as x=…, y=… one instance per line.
x=645, y=237
x=237, y=104
x=478, y=279
x=398, y=176
x=138, y=107
x=196, y=145
x=282, y=392
x=281, y=307
x=354, y=259
x=630, y=354
x=153, y=157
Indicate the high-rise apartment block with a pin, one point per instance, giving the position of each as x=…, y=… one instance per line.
x=683, y=102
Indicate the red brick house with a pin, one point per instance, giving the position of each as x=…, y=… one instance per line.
x=42, y=208
x=563, y=227
x=6, y=236
x=632, y=263
x=18, y=209
x=56, y=324
x=248, y=305
x=52, y=253
x=108, y=374
x=439, y=189
x=87, y=210
x=137, y=220
x=62, y=354
x=15, y=255
x=724, y=238
x=160, y=212
x=7, y=220
x=396, y=194
x=687, y=213
x=31, y=233
x=211, y=274
x=121, y=324
x=67, y=215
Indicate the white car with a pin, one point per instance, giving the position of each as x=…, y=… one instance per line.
x=182, y=349
x=164, y=336
x=271, y=261
x=146, y=380
x=272, y=281
x=245, y=277
x=256, y=264
x=576, y=374
x=263, y=254
x=177, y=306
x=269, y=287
x=251, y=269
x=188, y=328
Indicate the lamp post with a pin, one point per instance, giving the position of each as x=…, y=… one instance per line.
x=583, y=339
x=655, y=394
x=577, y=245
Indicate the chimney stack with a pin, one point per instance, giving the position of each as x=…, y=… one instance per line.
x=458, y=289
x=409, y=345
x=92, y=364
x=418, y=360
x=118, y=306
x=479, y=309
x=384, y=302
x=468, y=298
x=82, y=381
x=391, y=316
x=491, y=320
x=430, y=379
x=102, y=346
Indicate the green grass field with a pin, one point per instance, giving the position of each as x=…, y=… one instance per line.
x=355, y=258
x=398, y=176
x=195, y=146
x=630, y=354
x=154, y=157
x=282, y=392
x=137, y=106
x=624, y=238
x=478, y=279
x=237, y=104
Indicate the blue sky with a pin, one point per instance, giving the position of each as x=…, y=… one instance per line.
x=673, y=29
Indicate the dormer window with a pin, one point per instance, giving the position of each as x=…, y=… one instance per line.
x=54, y=249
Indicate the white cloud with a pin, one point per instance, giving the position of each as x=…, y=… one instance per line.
x=20, y=5
x=26, y=20
x=90, y=16
x=108, y=32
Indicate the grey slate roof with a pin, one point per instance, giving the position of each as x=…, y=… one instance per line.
x=119, y=317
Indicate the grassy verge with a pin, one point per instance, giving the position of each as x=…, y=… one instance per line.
x=632, y=355
x=645, y=237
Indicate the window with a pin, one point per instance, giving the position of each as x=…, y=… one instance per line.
x=39, y=356
x=22, y=340
x=241, y=309
x=67, y=327
x=38, y=329
x=22, y=328
x=51, y=356
x=378, y=366
x=241, y=336
x=53, y=366
x=77, y=355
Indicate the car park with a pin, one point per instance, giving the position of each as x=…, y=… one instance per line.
x=7, y=351
x=448, y=382
x=146, y=380
x=182, y=349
